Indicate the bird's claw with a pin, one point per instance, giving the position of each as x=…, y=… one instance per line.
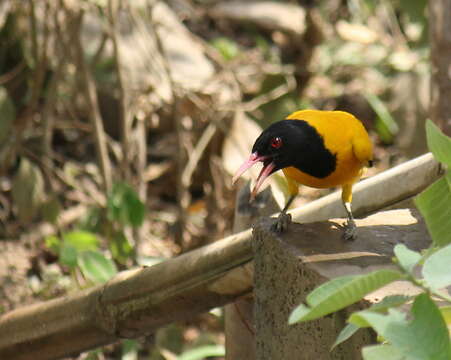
x=350, y=231
x=282, y=222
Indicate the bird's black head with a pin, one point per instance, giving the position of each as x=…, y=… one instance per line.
x=280, y=144
x=289, y=143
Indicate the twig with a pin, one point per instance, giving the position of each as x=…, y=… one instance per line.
x=272, y=95
x=92, y=104
x=16, y=70
x=141, y=147
x=34, y=32
x=48, y=119
x=40, y=57
x=97, y=55
x=124, y=118
x=196, y=154
x=65, y=37
x=183, y=196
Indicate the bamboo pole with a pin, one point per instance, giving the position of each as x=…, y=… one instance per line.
x=133, y=303
x=377, y=192
x=137, y=302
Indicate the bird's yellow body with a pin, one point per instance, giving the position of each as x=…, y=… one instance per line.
x=345, y=137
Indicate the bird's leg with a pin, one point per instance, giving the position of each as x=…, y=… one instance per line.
x=284, y=219
x=350, y=229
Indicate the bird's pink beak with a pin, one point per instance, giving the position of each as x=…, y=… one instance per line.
x=264, y=173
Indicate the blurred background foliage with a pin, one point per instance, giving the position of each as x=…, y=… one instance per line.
x=122, y=121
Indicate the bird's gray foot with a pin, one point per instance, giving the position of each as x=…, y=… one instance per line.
x=350, y=231
x=282, y=222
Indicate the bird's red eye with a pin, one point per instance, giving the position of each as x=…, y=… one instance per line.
x=276, y=142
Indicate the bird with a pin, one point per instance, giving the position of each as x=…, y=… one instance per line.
x=315, y=148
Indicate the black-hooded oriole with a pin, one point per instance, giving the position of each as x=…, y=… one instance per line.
x=320, y=149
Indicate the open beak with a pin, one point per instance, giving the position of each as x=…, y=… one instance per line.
x=264, y=173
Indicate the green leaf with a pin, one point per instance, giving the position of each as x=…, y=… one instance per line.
x=227, y=48
x=386, y=304
x=120, y=247
x=446, y=313
x=319, y=294
x=383, y=132
x=203, y=352
x=436, y=269
x=323, y=291
x=425, y=337
x=407, y=258
x=438, y=143
x=345, y=334
x=390, y=301
x=81, y=240
x=94, y=354
x=7, y=114
x=124, y=205
x=96, y=267
x=341, y=292
x=378, y=352
x=360, y=320
x=415, y=10
x=130, y=349
x=68, y=255
x=434, y=204
x=386, y=124
x=53, y=243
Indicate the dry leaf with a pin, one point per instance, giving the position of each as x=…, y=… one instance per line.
x=27, y=190
x=271, y=15
x=356, y=32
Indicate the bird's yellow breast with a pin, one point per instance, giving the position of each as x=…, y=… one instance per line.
x=345, y=137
